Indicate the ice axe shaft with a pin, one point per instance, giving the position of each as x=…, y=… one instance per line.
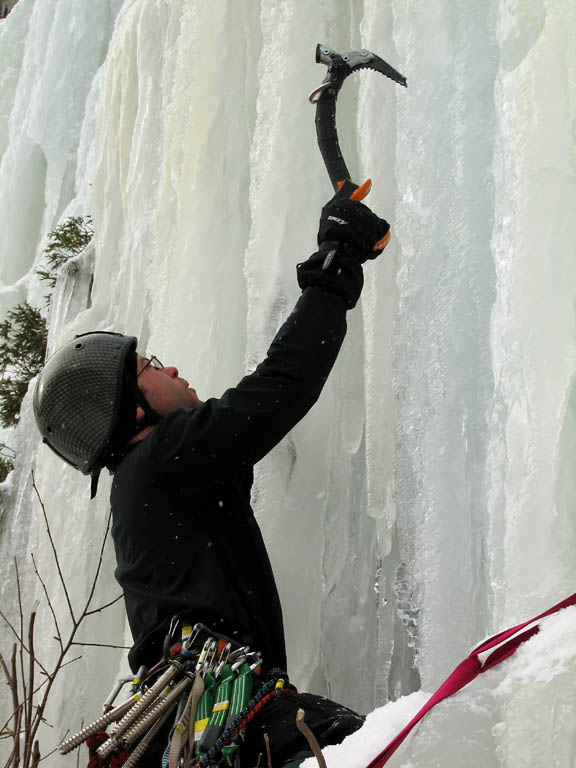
x=325, y=97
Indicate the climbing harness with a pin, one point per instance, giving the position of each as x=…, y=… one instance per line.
x=204, y=684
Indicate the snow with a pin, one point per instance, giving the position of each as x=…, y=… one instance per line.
x=428, y=500
x=498, y=719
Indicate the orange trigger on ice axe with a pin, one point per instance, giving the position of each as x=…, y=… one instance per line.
x=360, y=192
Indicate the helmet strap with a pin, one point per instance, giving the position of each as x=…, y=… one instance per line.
x=128, y=427
x=94, y=477
x=151, y=417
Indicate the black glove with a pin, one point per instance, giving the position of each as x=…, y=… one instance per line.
x=333, y=270
x=347, y=235
x=352, y=224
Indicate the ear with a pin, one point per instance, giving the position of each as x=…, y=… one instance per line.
x=139, y=413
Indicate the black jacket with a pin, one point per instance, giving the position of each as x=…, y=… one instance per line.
x=185, y=535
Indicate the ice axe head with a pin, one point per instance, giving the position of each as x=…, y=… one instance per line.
x=325, y=96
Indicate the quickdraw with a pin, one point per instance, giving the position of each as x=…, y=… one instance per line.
x=272, y=688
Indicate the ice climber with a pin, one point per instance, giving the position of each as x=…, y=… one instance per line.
x=186, y=540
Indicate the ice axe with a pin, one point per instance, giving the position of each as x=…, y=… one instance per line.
x=325, y=96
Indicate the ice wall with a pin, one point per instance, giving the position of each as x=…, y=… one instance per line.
x=427, y=500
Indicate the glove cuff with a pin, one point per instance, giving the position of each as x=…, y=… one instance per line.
x=343, y=248
x=333, y=269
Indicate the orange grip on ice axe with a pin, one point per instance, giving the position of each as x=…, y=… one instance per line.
x=347, y=188
x=359, y=192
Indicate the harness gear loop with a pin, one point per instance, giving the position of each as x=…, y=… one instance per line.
x=210, y=711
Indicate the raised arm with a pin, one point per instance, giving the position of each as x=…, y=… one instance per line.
x=227, y=434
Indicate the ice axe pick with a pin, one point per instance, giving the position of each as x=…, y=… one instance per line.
x=325, y=97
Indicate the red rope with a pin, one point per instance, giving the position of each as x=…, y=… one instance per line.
x=486, y=655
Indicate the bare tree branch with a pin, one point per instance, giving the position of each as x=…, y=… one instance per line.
x=70, y=661
x=268, y=755
x=30, y=699
x=4, y=731
x=35, y=755
x=104, y=645
x=15, y=757
x=45, y=757
x=21, y=642
x=49, y=601
x=98, y=567
x=21, y=651
x=78, y=753
x=310, y=738
x=54, y=551
x=28, y=715
x=97, y=610
x=12, y=684
x=10, y=625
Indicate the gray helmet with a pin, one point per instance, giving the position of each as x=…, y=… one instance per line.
x=78, y=397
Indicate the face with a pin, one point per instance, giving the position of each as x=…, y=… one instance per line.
x=164, y=389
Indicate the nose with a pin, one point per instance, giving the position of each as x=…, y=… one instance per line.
x=171, y=371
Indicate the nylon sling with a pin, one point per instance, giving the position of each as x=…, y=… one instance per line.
x=486, y=655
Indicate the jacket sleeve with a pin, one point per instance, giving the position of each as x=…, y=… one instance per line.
x=224, y=436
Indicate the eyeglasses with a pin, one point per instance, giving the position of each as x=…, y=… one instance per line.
x=153, y=362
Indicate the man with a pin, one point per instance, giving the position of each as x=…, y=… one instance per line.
x=186, y=540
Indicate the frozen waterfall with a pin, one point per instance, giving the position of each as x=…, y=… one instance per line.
x=428, y=500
